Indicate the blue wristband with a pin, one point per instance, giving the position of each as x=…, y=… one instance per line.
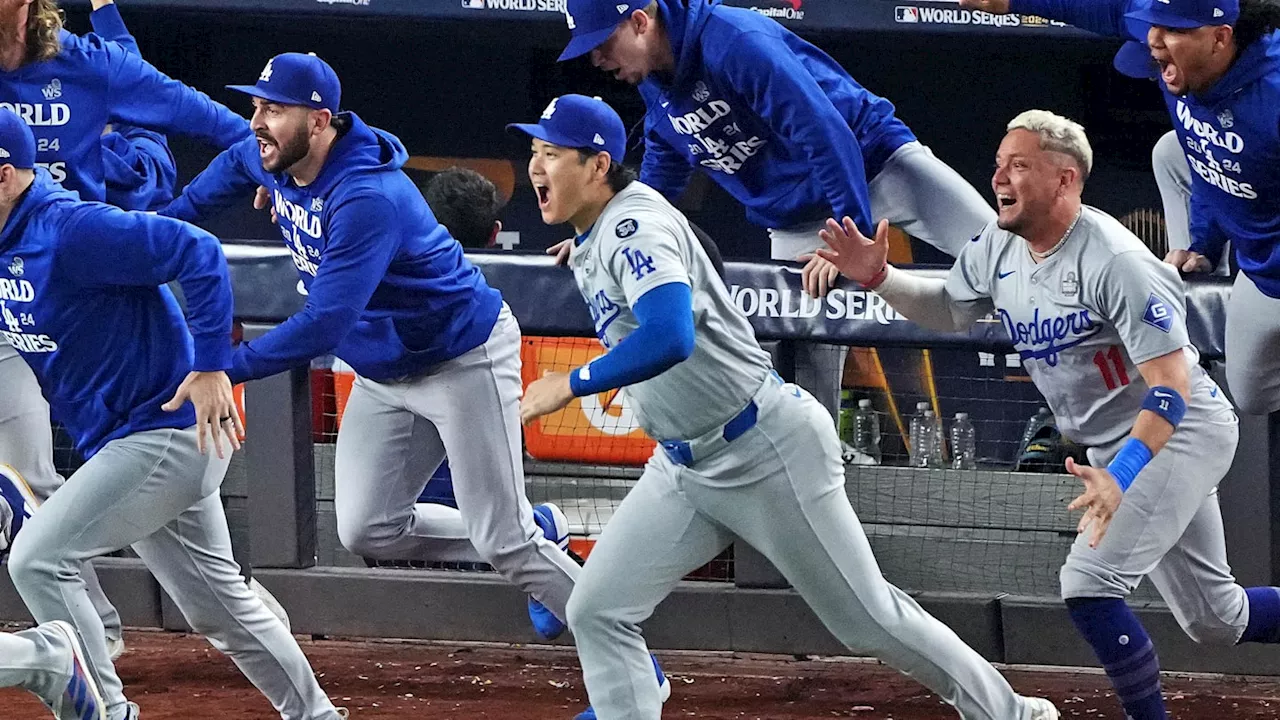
x=1165, y=402
x=1127, y=463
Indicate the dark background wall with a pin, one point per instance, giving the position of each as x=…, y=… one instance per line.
x=447, y=88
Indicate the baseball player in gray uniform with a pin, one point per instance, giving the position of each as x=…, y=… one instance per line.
x=1100, y=324
x=741, y=455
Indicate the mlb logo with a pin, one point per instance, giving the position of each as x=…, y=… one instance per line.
x=906, y=14
x=473, y=4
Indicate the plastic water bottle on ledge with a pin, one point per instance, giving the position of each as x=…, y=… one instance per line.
x=866, y=434
x=924, y=441
x=964, y=444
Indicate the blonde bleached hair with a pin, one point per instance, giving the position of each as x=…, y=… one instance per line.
x=1058, y=134
x=44, y=25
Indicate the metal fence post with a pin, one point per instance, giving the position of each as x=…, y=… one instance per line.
x=281, y=467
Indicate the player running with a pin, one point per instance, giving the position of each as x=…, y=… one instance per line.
x=67, y=88
x=435, y=350
x=1100, y=324
x=737, y=444
x=72, y=274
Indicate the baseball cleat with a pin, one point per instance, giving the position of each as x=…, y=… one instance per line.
x=1041, y=709
x=81, y=699
x=545, y=622
x=20, y=502
x=555, y=527
x=664, y=692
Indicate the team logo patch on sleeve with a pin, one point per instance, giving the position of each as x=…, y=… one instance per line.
x=1158, y=315
x=626, y=228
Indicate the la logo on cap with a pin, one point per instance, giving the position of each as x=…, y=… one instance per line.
x=266, y=72
x=569, y=18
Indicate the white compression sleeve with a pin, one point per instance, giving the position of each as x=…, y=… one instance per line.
x=925, y=301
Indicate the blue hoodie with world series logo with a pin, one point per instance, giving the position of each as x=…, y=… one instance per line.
x=772, y=119
x=1230, y=136
x=83, y=299
x=389, y=291
x=93, y=82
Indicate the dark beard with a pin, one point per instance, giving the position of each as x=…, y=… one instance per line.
x=288, y=154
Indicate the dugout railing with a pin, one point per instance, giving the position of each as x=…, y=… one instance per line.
x=978, y=548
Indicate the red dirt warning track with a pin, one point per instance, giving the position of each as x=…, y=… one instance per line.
x=180, y=677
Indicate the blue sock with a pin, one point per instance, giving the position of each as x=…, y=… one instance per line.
x=1126, y=653
x=1264, y=615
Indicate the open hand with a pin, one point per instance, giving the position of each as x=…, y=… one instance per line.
x=215, y=403
x=856, y=257
x=1099, y=501
x=545, y=395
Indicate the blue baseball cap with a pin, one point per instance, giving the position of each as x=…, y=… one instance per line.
x=1134, y=59
x=579, y=122
x=17, y=144
x=297, y=79
x=593, y=21
x=1188, y=14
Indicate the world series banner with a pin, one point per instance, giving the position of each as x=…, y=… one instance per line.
x=546, y=302
x=916, y=16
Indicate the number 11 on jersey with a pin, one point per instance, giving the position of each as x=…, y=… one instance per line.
x=1105, y=362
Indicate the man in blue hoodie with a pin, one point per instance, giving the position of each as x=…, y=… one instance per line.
x=68, y=88
x=1218, y=62
x=142, y=407
x=779, y=125
x=435, y=350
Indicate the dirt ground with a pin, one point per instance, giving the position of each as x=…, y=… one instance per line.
x=180, y=677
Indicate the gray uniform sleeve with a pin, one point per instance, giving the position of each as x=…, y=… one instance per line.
x=970, y=278
x=1145, y=301
x=642, y=252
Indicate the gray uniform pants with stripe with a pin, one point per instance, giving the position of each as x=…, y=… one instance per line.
x=26, y=445
x=1169, y=528
x=779, y=487
x=395, y=434
x=918, y=194
x=154, y=491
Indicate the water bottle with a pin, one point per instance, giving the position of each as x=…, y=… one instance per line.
x=866, y=434
x=920, y=436
x=964, y=444
x=938, y=448
x=936, y=444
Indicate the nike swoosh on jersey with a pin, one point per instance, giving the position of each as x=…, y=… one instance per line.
x=1004, y=275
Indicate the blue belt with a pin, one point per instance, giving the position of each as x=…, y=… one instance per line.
x=680, y=453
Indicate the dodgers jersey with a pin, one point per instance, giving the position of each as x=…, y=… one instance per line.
x=638, y=243
x=1084, y=319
